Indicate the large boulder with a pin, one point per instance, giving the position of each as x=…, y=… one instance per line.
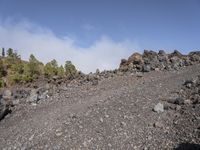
x=123, y=65
x=134, y=62
x=176, y=53
x=194, y=56
x=136, y=59
x=150, y=54
x=151, y=58
x=161, y=53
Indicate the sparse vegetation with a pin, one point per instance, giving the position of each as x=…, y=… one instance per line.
x=14, y=70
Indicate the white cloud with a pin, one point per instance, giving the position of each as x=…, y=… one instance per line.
x=29, y=38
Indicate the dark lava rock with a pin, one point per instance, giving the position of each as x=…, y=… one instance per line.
x=20, y=93
x=176, y=53
x=160, y=60
x=38, y=94
x=161, y=52
x=146, y=68
x=179, y=101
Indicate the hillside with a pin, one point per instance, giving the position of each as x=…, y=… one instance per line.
x=150, y=102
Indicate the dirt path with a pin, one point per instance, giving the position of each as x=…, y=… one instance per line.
x=115, y=114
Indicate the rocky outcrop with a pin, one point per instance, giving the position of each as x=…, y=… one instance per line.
x=3, y=108
x=38, y=94
x=151, y=60
x=5, y=103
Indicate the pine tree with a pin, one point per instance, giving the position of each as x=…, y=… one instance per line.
x=61, y=71
x=70, y=70
x=3, y=52
x=32, y=68
x=51, y=68
x=10, y=52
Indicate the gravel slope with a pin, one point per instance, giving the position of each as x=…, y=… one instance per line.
x=115, y=114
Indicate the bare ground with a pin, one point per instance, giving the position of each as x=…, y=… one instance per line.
x=115, y=114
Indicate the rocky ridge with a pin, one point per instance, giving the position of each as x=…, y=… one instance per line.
x=151, y=60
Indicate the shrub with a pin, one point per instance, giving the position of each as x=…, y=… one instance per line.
x=26, y=78
x=2, y=69
x=14, y=78
x=1, y=83
x=17, y=67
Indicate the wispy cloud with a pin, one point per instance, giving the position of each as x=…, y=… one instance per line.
x=29, y=38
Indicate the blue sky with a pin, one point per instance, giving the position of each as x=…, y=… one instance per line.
x=127, y=25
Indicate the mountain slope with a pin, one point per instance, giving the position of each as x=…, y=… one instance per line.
x=115, y=114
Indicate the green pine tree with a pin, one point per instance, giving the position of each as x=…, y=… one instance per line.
x=10, y=52
x=3, y=52
x=70, y=70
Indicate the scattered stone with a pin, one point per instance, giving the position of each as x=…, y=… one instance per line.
x=123, y=124
x=159, y=108
x=158, y=125
x=190, y=93
x=179, y=101
x=145, y=148
x=58, y=134
x=31, y=138
x=146, y=68
x=34, y=97
x=101, y=119
x=139, y=74
x=7, y=94
x=15, y=102
x=187, y=102
x=178, y=107
x=95, y=82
